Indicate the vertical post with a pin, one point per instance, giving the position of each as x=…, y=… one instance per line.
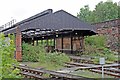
x=83, y=43
x=33, y=41
x=47, y=42
x=102, y=71
x=41, y=42
x=71, y=43
x=54, y=43
x=102, y=62
x=62, y=43
x=36, y=42
x=18, y=54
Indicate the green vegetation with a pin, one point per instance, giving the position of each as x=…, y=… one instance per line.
x=89, y=74
x=55, y=60
x=102, y=12
x=30, y=53
x=7, y=60
x=95, y=46
x=97, y=41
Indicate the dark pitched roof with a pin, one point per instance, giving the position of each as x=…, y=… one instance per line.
x=48, y=20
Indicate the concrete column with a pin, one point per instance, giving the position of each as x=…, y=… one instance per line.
x=18, y=54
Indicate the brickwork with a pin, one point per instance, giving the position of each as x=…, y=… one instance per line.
x=18, y=54
x=111, y=31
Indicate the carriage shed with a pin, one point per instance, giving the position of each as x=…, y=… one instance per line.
x=66, y=32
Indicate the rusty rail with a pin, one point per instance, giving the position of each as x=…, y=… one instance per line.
x=97, y=68
x=29, y=72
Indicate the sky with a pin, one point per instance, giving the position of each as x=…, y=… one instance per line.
x=22, y=9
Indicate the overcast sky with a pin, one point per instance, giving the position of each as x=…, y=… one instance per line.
x=22, y=9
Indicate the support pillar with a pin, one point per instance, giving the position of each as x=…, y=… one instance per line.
x=33, y=41
x=54, y=43
x=18, y=54
x=71, y=43
x=36, y=42
x=62, y=43
x=83, y=43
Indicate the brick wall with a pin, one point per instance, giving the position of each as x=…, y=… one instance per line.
x=18, y=54
x=111, y=30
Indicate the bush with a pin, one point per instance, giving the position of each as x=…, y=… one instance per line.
x=38, y=53
x=30, y=53
x=7, y=58
x=57, y=58
x=98, y=41
x=96, y=46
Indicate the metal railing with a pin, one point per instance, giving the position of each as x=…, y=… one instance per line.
x=8, y=24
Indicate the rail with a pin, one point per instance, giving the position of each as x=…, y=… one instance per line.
x=38, y=74
x=110, y=69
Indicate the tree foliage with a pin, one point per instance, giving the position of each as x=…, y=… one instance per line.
x=7, y=58
x=85, y=14
x=103, y=11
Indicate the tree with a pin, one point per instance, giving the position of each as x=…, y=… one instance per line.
x=85, y=14
x=106, y=11
x=103, y=11
x=7, y=58
x=119, y=9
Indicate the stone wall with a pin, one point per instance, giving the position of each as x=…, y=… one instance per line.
x=111, y=30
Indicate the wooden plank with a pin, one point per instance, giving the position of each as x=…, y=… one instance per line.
x=32, y=75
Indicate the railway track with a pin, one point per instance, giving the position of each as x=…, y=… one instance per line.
x=109, y=69
x=29, y=72
x=38, y=74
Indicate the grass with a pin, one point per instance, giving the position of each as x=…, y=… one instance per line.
x=32, y=64
x=88, y=74
x=50, y=66
x=109, y=58
x=47, y=66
